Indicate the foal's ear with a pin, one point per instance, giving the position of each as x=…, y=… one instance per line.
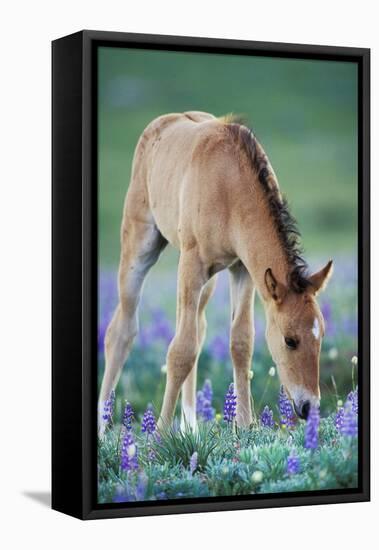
x=276, y=289
x=320, y=279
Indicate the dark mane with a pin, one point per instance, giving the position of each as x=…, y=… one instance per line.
x=285, y=223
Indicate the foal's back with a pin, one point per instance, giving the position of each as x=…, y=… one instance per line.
x=184, y=171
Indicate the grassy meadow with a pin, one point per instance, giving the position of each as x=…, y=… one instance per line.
x=304, y=113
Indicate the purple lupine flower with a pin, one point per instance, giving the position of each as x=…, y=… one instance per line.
x=151, y=455
x=207, y=390
x=108, y=407
x=204, y=408
x=129, y=453
x=346, y=419
x=121, y=495
x=353, y=398
x=267, y=419
x=208, y=411
x=311, y=429
x=141, y=486
x=128, y=416
x=349, y=427
x=293, y=463
x=285, y=409
x=230, y=404
x=149, y=424
x=338, y=420
x=193, y=462
x=200, y=403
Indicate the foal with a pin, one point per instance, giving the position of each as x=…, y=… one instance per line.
x=205, y=186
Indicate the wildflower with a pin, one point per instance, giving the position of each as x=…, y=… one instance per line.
x=204, y=407
x=128, y=416
x=285, y=409
x=311, y=429
x=230, y=404
x=218, y=417
x=122, y=494
x=349, y=427
x=193, y=462
x=129, y=453
x=354, y=360
x=164, y=369
x=257, y=476
x=346, y=419
x=208, y=411
x=271, y=371
x=333, y=353
x=151, y=455
x=251, y=374
x=225, y=470
x=338, y=420
x=108, y=407
x=149, y=424
x=207, y=390
x=293, y=463
x=353, y=398
x=199, y=403
x=141, y=486
x=339, y=403
x=267, y=419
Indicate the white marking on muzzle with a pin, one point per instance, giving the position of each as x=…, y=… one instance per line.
x=301, y=395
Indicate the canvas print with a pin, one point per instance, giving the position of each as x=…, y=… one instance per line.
x=227, y=275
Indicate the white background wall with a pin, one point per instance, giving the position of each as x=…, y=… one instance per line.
x=26, y=31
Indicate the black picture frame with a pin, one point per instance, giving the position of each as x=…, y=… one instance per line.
x=74, y=272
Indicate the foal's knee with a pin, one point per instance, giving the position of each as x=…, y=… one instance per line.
x=181, y=358
x=241, y=351
x=120, y=334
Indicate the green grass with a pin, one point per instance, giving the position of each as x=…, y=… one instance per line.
x=231, y=462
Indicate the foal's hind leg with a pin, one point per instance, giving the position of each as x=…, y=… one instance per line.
x=184, y=348
x=241, y=339
x=189, y=385
x=141, y=246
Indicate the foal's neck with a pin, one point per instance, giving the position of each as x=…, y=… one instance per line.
x=260, y=248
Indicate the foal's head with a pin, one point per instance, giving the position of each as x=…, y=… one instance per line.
x=295, y=327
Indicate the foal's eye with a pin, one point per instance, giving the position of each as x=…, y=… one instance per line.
x=291, y=343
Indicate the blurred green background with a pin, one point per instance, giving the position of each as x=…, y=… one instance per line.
x=304, y=112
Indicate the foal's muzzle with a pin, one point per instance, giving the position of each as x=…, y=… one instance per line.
x=303, y=409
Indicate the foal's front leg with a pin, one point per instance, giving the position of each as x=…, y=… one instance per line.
x=189, y=385
x=183, y=350
x=241, y=339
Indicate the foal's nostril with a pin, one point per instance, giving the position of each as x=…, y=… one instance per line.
x=305, y=410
